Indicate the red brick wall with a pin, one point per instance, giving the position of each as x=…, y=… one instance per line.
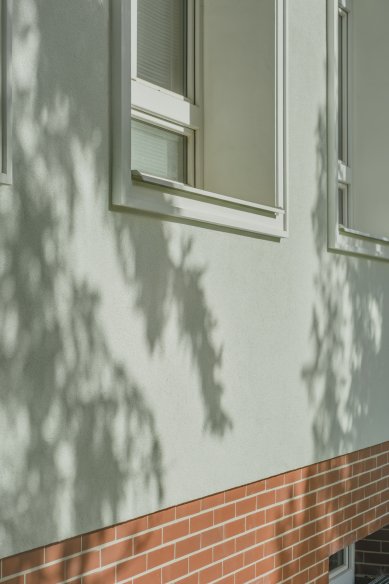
x=281, y=529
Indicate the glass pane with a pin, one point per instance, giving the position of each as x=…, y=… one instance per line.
x=337, y=560
x=340, y=87
x=162, y=43
x=343, y=205
x=158, y=152
x=2, y=65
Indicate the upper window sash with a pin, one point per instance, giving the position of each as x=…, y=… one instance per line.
x=154, y=99
x=6, y=93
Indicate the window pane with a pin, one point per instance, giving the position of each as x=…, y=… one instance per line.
x=337, y=560
x=340, y=86
x=162, y=43
x=343, y=204
x=2, y=137
x=158, y=152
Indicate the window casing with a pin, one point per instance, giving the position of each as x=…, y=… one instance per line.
x=147, y=112
x=341, y=566
x=346, y=138
x=5, y=93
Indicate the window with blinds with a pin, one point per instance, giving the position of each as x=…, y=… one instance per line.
x=158, y=152
x=198, y=111
x=162, y=138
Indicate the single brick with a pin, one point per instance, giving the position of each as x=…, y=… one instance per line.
x=131, y=527
x=212, y=501
x=131, y=567
x=188, y=509
x=117, y=552
x=224, y=513
x=211, y=574
x=234, y=528
x=188, y=546
x=212, y=536
x=160, y=556
x=165, y=516
x=147, y=541
x=176, y=530
x=176, y=570
x=245, y=575
x=233, y=564
x=98, y=538
x=201, y=522
x=199, y=560
x=223, y=550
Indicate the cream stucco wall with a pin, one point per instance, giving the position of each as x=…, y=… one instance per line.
x=144, y=362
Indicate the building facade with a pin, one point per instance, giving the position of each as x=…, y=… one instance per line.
x=193, y=278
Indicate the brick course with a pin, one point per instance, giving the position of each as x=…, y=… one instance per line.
x=278, y=530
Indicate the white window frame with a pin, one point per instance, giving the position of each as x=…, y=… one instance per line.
x=345, y=574
x=342, y=237
x=141, y=192
x=6, y=94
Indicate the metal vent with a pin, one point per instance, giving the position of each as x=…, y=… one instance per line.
x=381, y=580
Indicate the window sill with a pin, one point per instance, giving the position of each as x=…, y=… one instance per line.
x=176, y=200
x=187, y=189
x=358, y=242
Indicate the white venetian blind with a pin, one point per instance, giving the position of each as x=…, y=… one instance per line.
x=162, y=43
x=157, y=151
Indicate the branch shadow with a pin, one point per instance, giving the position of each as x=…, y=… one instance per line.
x=79, y=437
x=346, y=332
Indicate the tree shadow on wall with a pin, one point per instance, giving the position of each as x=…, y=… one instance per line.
x=346, y=332
x=163, y=282
x=79, y=438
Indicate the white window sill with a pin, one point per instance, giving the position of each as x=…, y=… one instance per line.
x=175, y=200
x=183, y=188
x=361, y=243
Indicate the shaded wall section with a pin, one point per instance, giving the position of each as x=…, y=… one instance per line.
x=372, y=556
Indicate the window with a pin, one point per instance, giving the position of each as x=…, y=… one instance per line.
x=164, y=110
x=344, y=170
x=5, y=92
x=198, y=118
x=358, y=126
x=341, y=566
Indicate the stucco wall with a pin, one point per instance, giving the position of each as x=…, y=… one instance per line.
x=144, y=363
